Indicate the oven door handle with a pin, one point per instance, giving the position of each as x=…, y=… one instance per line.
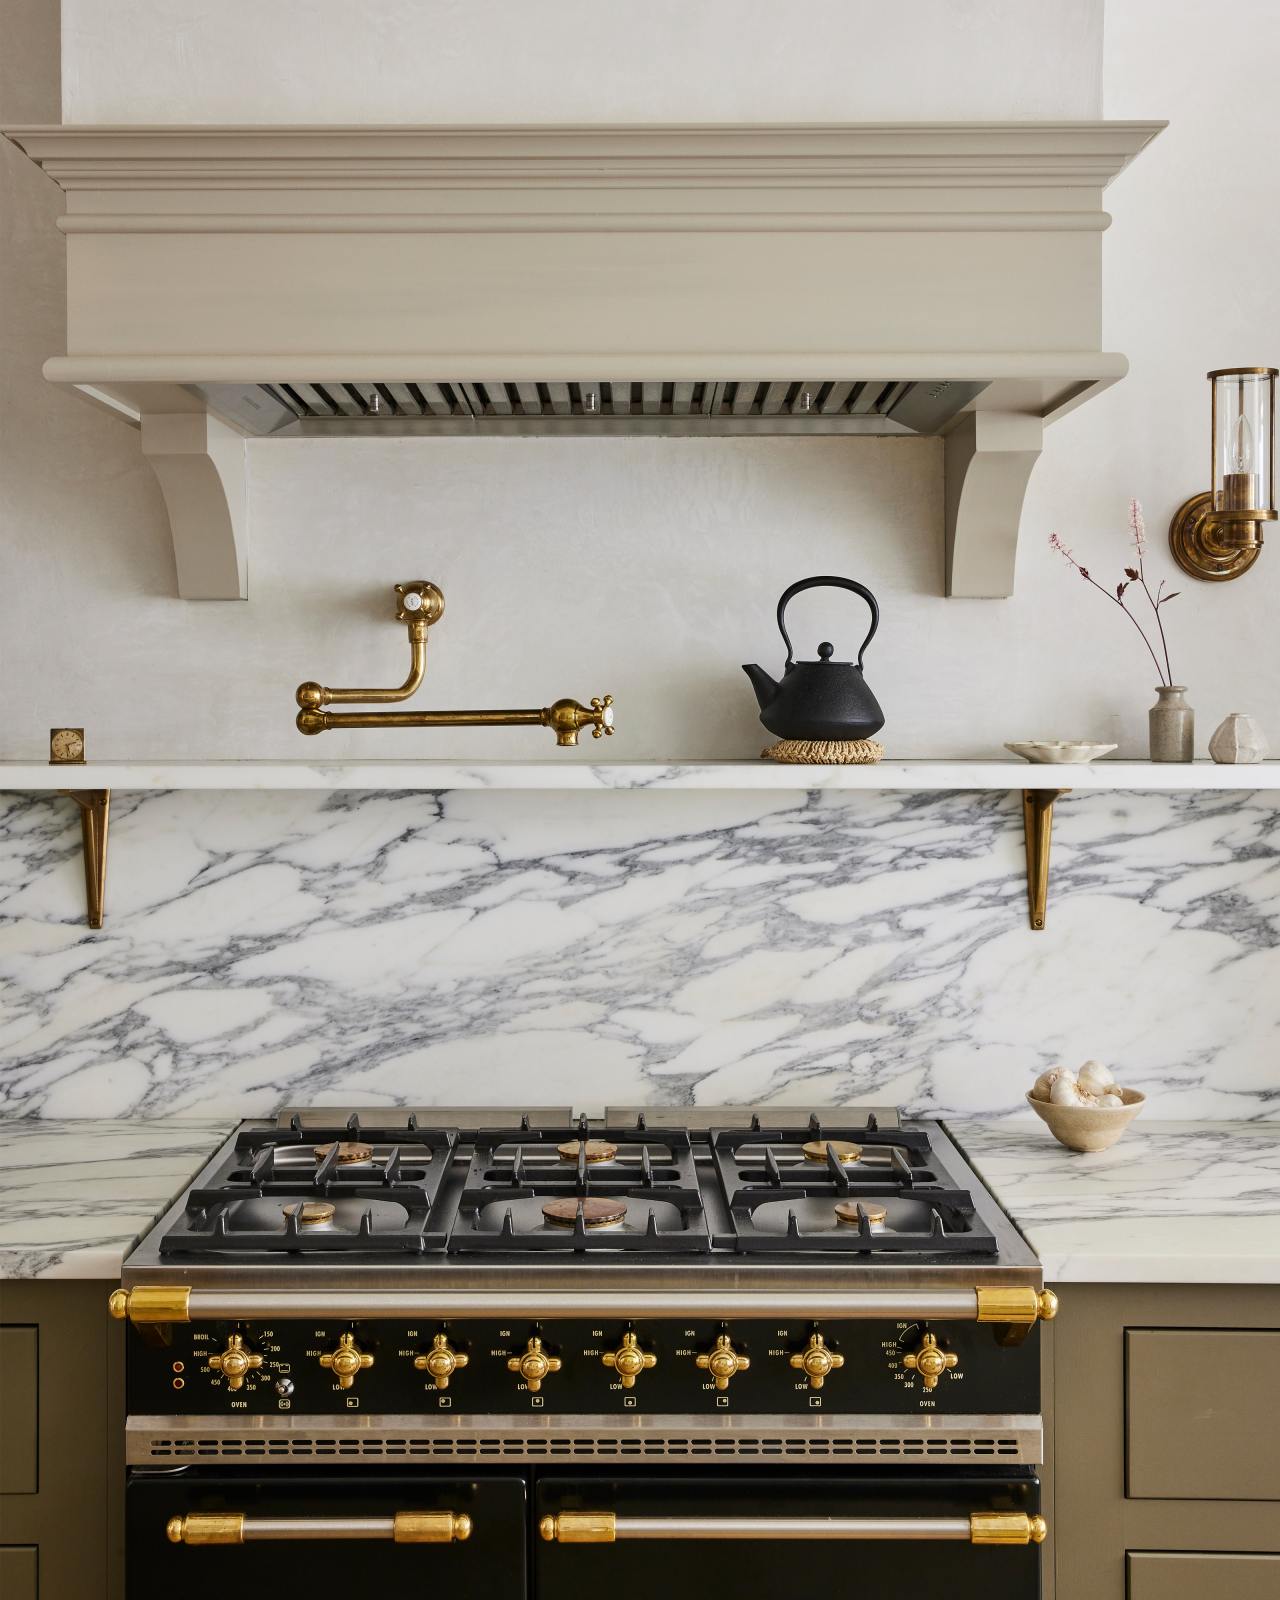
x=981, y=1527
x=238, y=1527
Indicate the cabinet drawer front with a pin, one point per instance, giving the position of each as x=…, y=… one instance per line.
x=19, y=1365
x=19, y=1571
x=1180, y=1575
x=1203, y=1417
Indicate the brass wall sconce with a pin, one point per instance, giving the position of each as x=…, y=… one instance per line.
x=418, y=605
x=1217, y=535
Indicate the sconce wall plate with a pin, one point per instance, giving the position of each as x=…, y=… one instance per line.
x=1194, y=538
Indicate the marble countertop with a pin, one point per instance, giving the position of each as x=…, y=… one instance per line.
x=1173, y=1202
x=75, y=1195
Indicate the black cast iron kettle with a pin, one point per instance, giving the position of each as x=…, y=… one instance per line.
x=822, y=700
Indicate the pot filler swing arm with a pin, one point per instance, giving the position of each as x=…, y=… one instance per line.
x=418, y=605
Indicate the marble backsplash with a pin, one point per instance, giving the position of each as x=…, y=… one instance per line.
x=498, y=948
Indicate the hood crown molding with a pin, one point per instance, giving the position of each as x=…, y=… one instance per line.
x=936, y=277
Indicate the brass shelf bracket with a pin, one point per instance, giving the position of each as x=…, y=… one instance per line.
x=95, y=814
x=1037, y=824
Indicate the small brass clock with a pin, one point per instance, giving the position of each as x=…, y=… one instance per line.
x=66, y=745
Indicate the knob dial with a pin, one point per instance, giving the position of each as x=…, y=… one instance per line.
x=929, y=1361
x=235, y=1361
x=534, y=1365
x=816, y=1361
x=723, y=1362
x=441, y=1361
x=347, y=1360
x=629, y=1360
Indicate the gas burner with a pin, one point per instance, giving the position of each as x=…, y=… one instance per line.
x=595, y=1211
x=313, y=1213
x=594, y=1150
x=853, y=1211
x=349, y=1153
x=823, y=1150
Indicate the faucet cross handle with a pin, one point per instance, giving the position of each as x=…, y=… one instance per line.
x=566, y=717
x=602, y=722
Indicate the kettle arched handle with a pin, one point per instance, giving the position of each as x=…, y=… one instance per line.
x=832, y=583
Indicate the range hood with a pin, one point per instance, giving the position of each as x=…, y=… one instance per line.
x=943, y=279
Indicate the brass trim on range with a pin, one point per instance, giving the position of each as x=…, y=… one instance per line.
x=1017, y=1307
x=236, y=1527
x=981, y=1527
x=151, y=1303
x=418, y=605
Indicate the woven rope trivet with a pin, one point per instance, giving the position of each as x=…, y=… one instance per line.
x=826, y=753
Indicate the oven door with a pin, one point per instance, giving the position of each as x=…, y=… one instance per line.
x=206, y=1534
x=756, y=1536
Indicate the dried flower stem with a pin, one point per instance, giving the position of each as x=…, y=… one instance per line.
x=1132, y=575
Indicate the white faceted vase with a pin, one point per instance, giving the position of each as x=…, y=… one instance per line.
x=1238, y=741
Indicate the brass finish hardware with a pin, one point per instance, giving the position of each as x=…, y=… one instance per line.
x=930, y=1361
x=724, y=1362
x=430, y=1527
x=66, y=747
x=1204, y=547
x=629, y=1360
x=1217, y=536
x=816, y=1361
x=1006, y=1527
x=441, y=1361
x=235, y=1361
x=980, y=1527
x=418, y=605
x=596, y=1150
x=534, y=1365
x=206, y=1527
x=579, y=1527
x=95, y=815
x=312, y=1213
x=235, y=1527
x=1037, y=825
x=148, y=1304
x=347, y=1360
x=1018, y=1307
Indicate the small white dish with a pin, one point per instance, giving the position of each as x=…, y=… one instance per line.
x=1060, y=751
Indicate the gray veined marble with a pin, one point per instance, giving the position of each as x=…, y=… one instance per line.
x=635, y=946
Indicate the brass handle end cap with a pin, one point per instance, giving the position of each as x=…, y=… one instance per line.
x=1048, y=1305
x=118, y=1306
x=1039, y=1530
x=176, y=1526
x=547, y=1529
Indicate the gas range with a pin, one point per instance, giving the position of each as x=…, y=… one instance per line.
x=654, y=1293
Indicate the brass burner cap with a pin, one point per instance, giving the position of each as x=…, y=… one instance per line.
x=348, y=1152
x=311, y=1213
x=847, y=1211
x=844, y=1152
x=597, y=1150
x=597, y=1212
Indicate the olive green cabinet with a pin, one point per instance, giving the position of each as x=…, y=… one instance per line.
x=1164, y=1443
x=61, y=1433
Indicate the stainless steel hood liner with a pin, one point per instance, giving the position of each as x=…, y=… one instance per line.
x=225, y=283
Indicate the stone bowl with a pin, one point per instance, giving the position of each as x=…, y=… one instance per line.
x=1089, y=1128
x=1059, y=752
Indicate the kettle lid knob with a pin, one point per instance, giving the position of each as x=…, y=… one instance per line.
x=826, y=650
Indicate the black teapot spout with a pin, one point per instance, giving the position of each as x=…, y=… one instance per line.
x=764, y=686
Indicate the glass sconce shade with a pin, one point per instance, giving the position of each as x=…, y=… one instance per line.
x=1244, y=445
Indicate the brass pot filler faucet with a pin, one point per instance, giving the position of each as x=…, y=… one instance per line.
x=419, y=605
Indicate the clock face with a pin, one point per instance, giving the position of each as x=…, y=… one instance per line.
x=66, y=744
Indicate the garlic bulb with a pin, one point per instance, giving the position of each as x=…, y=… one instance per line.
x=1094, y=1078
x=1066, y=1092
x=1110, y=1099
x=1045, y=1082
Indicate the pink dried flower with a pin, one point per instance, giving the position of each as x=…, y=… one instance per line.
x=1139, y=528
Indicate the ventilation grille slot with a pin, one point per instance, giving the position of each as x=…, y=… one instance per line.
x=294, y=1447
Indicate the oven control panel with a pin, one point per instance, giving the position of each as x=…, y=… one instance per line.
x=579, y=1366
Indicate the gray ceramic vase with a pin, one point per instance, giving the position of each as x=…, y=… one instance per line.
x=1172, y=724
x=1238, y=740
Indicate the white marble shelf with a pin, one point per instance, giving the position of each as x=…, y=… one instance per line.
x=581, y=775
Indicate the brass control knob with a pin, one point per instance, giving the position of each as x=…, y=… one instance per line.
x=929, y=1361
x=534, y=1365
x=629, y=1360
x=441, y=1361
x=723, y=1362
x=235, y=1361
x=816, y=1361
x=346, y=1360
